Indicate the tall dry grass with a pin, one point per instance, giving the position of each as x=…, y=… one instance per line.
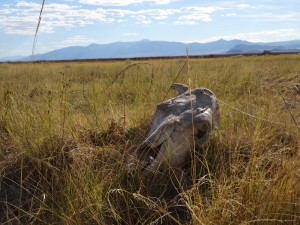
x=66, y=130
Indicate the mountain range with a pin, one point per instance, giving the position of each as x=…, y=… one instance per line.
x=147, y=48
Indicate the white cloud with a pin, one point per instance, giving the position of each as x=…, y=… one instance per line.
x=261, y=36
x=118, y=12
x=158, y=14
x=195, y=14
x=142, y=19
x=123, y=2
x=24, y=17
x=160, y=17
x=196, y=17
x=292, y=16
x=243, y=6
x=28, y=4
x=197, y=9
x=7, y=11
x=186, y=22
x=129, y=34
x=163, y=2
x=231, y=14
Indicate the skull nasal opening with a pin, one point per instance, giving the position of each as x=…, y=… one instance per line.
x=148, y=154
x=200, y=134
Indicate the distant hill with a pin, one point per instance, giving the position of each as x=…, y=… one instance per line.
x=147, y=48
x=287, y=46
x=11, y=58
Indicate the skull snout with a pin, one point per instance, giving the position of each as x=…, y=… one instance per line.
x=203, y=126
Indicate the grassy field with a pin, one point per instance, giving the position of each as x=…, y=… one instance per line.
x=66, y=130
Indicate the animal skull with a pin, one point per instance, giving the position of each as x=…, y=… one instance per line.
x=177, y=125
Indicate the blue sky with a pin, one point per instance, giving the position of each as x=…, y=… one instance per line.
x=82, y=22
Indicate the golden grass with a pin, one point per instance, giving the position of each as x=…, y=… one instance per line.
x=66, y=129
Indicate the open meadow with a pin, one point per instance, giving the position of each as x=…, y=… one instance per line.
x=66, y=130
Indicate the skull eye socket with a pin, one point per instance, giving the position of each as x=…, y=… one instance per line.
x=202, y=132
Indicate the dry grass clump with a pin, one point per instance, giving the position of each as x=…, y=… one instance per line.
x=66, y=131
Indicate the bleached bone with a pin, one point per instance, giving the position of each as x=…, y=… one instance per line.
x=180, y=88
x=177, y=125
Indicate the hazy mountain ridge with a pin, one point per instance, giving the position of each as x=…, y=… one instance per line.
x=147, y=48
x=287, y=46
x=11, y=58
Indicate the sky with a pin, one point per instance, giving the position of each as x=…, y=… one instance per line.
x=82, y=22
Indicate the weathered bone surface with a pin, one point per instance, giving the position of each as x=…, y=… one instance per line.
x=177, y=125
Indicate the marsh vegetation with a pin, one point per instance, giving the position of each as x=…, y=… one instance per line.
x=66, y=129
